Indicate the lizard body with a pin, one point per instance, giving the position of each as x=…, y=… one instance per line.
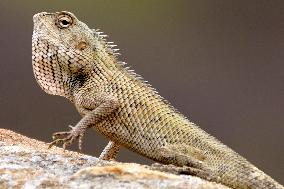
x=73, y=61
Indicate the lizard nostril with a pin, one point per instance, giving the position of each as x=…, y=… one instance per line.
x=37, y=16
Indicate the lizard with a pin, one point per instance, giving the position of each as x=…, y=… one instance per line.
x=71, y=60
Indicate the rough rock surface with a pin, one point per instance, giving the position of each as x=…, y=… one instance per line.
x=28, y=163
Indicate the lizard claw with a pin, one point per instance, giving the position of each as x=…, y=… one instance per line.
x=56, y=141
x=59, y=135
x=66, y=138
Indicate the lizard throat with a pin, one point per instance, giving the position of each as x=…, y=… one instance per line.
x=47, y=70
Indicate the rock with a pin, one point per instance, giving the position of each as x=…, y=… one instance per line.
x=28, y=163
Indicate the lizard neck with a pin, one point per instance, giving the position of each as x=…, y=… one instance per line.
x=100, y=77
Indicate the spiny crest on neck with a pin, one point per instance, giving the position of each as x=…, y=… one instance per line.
x=113, y=51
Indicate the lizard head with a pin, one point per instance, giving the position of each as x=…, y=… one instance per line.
x=62, y=52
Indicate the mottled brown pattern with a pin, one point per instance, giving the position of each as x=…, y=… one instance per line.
x=73, y=61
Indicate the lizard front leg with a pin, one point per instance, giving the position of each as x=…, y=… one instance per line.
x=100, y=106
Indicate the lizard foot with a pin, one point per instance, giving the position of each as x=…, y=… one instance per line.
x=185, y=170
x=66, y=138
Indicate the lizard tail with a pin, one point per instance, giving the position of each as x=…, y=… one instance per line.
x=248, y=176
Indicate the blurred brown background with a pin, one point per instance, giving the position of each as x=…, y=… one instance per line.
x=219, y=62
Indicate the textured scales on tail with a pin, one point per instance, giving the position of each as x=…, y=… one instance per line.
x=71, y=60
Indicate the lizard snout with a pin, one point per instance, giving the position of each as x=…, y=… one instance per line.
x=37, y=16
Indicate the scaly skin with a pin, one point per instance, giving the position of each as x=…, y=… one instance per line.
x=73, y=61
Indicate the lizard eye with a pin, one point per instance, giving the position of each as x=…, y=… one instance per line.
x=64, y=21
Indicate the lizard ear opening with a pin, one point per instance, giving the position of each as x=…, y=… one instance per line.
x=82, y=45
